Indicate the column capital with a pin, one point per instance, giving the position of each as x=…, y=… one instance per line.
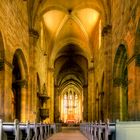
x=117, y=82
x=51, y=69
x=20, y=83
x=85, y=86
x=33, y=33
x=56, y=86
x=91, y=69
x=106, y=30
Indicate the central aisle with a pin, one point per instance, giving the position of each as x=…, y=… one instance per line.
x=68, y=133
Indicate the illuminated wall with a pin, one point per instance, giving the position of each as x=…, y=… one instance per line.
x=71, y=104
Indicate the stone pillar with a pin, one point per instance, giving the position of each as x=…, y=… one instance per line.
x=107, y=45
x=51, y=93
x=91, y=95
x=137, y=87
x=56, y=104
x=131, y=91
x=2, y=89
x=116, y=104
x=85, y=103
x=24, y=104
x=7, y=91
x=33, y=34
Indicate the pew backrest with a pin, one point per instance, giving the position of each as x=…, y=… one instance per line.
x=128, y=130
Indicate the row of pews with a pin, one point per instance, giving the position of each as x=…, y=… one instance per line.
x=27, y=131
x=129, y=130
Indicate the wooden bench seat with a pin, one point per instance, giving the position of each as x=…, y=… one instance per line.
x=26, y=131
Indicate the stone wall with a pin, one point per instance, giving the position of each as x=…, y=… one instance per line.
x=14, y=29
x=125, y=17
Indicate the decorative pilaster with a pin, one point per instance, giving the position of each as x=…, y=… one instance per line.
x=136, y=84
x=51, y=93
x=24, y=106
x=6, y=84
x=85, y=103
x=34, y=35
x=91, y=95
x=107, y=47
x=133, y=65
x=106, y=30
x=56, y=104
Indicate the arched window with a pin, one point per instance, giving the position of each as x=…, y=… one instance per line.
x=71, y=105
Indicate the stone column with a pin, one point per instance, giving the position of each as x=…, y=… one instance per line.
x=85, y=103
x=107, y=44
x=91, y=95
x=51, y=93
x=2, y=89
x=7, y=91
x=33, y=34
x=116, y=101
x=137, y=87
x=133, y=89
x=22, y=84
x=56, y=104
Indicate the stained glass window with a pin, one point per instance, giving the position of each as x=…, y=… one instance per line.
x=71, y=105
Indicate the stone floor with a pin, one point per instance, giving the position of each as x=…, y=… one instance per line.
x=68, y=133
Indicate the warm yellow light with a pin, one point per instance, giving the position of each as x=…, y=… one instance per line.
x=42, y=36
x=71, y=106
x=100, y=34
x=88, y=17
x=53, y=19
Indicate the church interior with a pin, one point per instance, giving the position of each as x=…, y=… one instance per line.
x=69, y=61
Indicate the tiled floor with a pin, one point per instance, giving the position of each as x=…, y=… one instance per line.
x=68, y=134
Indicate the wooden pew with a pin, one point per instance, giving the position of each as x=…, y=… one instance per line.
x=129, y=130
x=10, y=131
x=25, y=131
x=98, y=131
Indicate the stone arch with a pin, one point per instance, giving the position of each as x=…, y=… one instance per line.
x=57, y=47
x=71, y=89
x=63, y=9
x=120, y=64
x=19, y=85
x=120, y=82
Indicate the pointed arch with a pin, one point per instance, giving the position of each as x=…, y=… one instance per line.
x=120, y=64
x=21, y=62
x=120, y=82
x=19, y=85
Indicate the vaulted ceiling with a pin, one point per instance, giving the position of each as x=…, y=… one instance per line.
x=70, y=27
x=71, y=21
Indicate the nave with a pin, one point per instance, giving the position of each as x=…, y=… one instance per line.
x=69, y=61
x=68, y=133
